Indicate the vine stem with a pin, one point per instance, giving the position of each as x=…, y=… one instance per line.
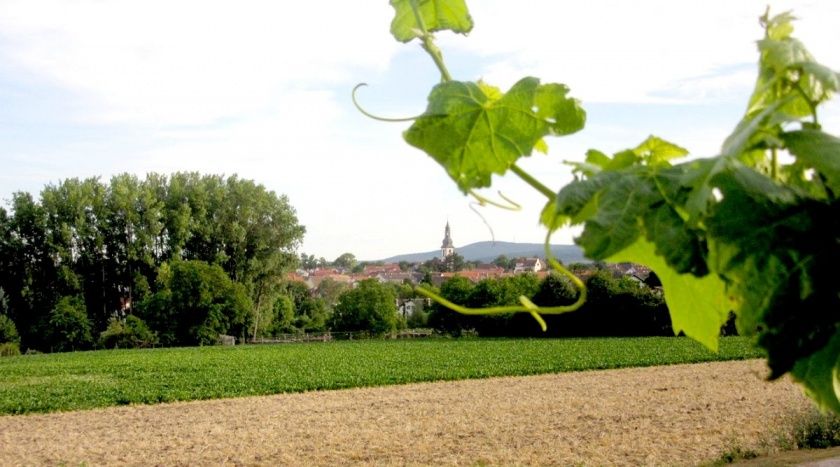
x=526, y=305
x=530, y=180
x=811, y=105
x=437, y=56
x=429, y=43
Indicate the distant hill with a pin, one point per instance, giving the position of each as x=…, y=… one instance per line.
x=488, y=251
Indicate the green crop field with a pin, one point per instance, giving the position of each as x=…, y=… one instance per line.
x=70, y=381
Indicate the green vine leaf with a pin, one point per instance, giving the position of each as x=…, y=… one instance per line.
x=828, y=78
x=474, y=131
x=818, y=150
x=777, y=252
x=747, y=134
x=635, y=191
x=745, y=231
x=616, y=224
x=820, y=374
x=698, y=305
x=563, y=114
x=780, y=26
x=780, y=54
x=655, y=150
x=789, y=73
x=437, y=15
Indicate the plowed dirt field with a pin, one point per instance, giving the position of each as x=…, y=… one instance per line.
x=667, y=415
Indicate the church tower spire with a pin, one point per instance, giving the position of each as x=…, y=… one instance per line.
x=447, y=248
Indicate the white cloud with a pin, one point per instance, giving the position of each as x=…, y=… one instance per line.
x=619, y=51
x=191, y=62
x=261, y=89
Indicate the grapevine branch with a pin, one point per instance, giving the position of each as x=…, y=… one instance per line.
x=525, y=305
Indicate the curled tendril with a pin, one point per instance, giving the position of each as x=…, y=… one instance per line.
x=527, y=306
x=482, y=201
x=480, y=216
x=376, y=117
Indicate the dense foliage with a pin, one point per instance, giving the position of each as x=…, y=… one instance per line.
x=88, y=251
x=70, y=381
x=129, y=333
x=196, y=303
x=616, y=306
x=370, y=306
x=302, y=312
x=753, y=230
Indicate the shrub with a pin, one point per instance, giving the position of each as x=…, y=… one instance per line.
x=9, y=349
x=416, y=320
x=284, y=316
x=129, y=333
x=69, y=325
x=814, y=430
x=369, y=307
x=197, y=303
x=8, y=330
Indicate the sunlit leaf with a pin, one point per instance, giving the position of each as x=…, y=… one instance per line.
x=437, y=15
x=698, y=306
x=474, y=135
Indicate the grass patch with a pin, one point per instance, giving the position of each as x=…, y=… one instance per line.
x=807, y=431
x=736, y=453
x=81, y=380
x=811, y=430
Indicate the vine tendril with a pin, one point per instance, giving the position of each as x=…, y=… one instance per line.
x=376, y=117
x=481, y=216
x=482, y=201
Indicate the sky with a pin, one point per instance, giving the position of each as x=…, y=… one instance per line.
x=262, y=89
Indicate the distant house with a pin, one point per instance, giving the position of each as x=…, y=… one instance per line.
x=408, y=306
x=371, y=270
x=324, y=272
x=315, y=281
x=528, y=265
x=474, y=275
x=398, y=277
x=634, y=271
x=489, y=268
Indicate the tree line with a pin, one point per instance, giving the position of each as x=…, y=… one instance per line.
x=185, y=258
x=615, y=306
x=173, y=259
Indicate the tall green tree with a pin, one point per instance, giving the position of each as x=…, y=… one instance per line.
x=330, y=290
x=371, y=306
x=29, y=274
x=345, y=261
x=198, y=302
x=457, y=290
x=69, y=326
x=107, y=243
x=8, y=330
x=284, y=316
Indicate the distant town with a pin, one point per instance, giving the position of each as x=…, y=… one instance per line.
x=449, y=263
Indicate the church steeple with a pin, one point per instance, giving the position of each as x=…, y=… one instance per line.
x=447, y=248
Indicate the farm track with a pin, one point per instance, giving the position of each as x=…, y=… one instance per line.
x=666, y=415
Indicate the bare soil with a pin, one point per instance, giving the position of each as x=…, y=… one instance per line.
x=670, y=415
